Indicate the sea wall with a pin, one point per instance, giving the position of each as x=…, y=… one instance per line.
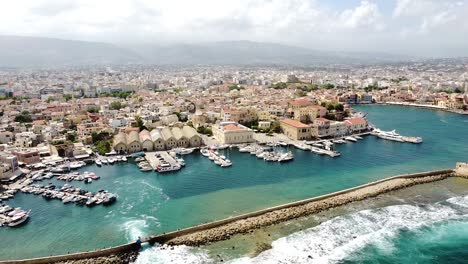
x=223, y=229
x=113, y=251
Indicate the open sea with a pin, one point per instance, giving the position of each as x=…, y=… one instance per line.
x=435, y=230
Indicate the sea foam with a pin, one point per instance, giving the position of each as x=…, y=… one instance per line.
x=333, y=240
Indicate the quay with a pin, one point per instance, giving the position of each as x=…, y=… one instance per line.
x=155, y=162
x=426, y=106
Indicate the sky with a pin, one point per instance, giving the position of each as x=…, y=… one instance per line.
x=411, y=27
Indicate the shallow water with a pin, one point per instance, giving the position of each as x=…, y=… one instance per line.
x=149, y=203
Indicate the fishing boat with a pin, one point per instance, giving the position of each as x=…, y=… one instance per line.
x=139, y=159
x=167, y=168
x=286, y=157
x=146, y=168
x=183, y=151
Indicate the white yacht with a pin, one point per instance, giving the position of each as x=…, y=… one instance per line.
x=226, y=163
x=389, y=135
x=18, y=219
x=205, y=152
x=183, y=151
x=350, y=138
x=301, y=146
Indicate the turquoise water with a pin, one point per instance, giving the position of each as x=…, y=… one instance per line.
x=150, y=203
x=406, y=233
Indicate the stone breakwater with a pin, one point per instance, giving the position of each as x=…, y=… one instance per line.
x=242, y=226
x=124, y=258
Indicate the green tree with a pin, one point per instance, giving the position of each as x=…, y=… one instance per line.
x=236, y=87
x=205, y=130
x=275, y=127
x=328, y=86
x=24, y=117
x=139, y=123
x=67, y=97
x=116, y=105
x=96, y=137
x=71, y=137
x=280, y=85
x=103, y=147
x=338, y=107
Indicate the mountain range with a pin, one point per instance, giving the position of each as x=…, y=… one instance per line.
x=16, y=51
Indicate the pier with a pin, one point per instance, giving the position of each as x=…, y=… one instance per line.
x=155, y=162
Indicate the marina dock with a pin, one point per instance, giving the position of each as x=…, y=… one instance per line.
x=155, y=162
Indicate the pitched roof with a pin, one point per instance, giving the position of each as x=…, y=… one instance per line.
x=356, y=121
x=231, y=127
x=300, y=102
x=294, y=123
x=133, y=136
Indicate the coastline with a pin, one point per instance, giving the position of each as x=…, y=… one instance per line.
x=431, y=107
x=225, y=229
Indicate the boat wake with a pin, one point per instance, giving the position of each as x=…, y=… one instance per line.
x=335, y=240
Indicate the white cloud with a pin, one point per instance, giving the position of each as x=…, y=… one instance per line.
x=367, y=14
x=430, y=14
x=310, y=23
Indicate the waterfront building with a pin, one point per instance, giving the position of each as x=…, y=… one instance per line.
x=356, y=124
x=232, y=133
x=323, y=127
x=8, y=165
x=133, y=142
x=158, y=141
x=120, y=142
x=182, y=140
x=194, y=139
x=168, y=138
x=146, y=140
x=27, y=156
x=295, y=130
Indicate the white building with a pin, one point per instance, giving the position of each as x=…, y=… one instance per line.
x=232, y=133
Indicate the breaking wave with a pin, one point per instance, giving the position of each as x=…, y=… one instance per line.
x=335, y=240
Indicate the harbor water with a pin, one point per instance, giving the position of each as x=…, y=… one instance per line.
x=150, y=203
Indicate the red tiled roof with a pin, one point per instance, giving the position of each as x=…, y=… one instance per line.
x=302, y=102
x=356, y=121
x=231, y=127
x=318, y=107
x=294, y=123
x=323, y=119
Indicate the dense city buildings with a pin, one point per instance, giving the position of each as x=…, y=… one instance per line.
x=75, y=112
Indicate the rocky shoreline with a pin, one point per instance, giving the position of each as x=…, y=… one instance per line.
x=124, y=258
x=247, y=225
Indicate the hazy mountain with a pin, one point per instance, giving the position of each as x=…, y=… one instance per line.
x=32, y=51
x=247, y=52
